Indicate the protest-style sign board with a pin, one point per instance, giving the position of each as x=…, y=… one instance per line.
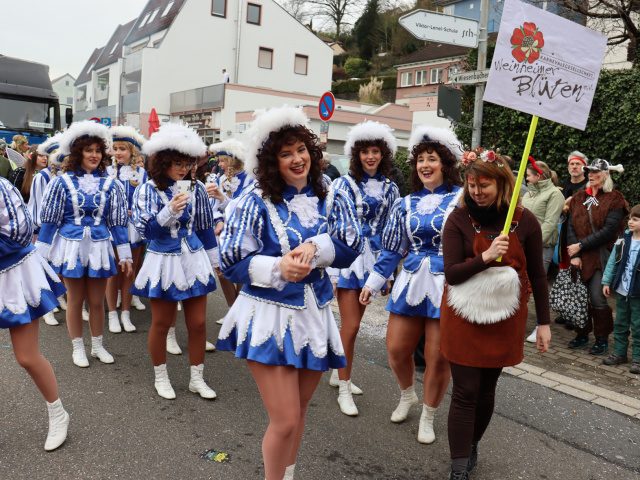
x=544, y=65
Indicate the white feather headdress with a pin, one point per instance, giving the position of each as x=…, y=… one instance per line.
x=267, y=121
x=370, y=131
x=56, y=158
x=50, y=144
x=231, y=147
x=425, y=133
x=85, y=128
x=176, y=137
x=125, y=133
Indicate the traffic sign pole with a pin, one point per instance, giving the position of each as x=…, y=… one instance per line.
x=476, y=135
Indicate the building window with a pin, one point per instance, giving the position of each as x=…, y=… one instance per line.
x=166, y=10
x=436, y=75
x=69, y=100
x=265, y=58
x=114, y=48
x=144, y=20
x=254, y=13
x=67, y=83
x=219, y=8
x=448, y=10
x=301, y=64
x=421, y=77
x=405, y=79
x=153, y=15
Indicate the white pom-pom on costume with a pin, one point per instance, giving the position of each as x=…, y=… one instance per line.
x=490, y=296
x=231, y=147
x=50, y=144
x=85, y=128
x=176, y=137
x=425, y=133
x=267, y=121
x=125, y=133
x=370, y=131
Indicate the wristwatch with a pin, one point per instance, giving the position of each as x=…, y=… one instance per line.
x=580, y=245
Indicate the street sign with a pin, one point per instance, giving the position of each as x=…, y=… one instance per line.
x=327, y=106
x=106, y=121
x=441, y=28
x=449, y=102
x=95, y=119
x=469, y=78
x=324, y=137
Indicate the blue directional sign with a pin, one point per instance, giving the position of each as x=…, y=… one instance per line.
x=327, y=106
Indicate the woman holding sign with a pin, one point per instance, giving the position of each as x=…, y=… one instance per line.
x=175, y=216
x=484, y=308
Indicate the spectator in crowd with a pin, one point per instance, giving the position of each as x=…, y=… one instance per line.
x=596, y=219
x=623, y=275
x=20, y=144
x=329, y=170
x=512, y=166
x=546, y=202
x=397, y=177
x=22, y=177
x=5, y=164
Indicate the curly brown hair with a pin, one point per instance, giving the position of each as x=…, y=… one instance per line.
x=450, y=174
x=162, y=161
x=268, y=173
x=355, y=164
x=73, y=161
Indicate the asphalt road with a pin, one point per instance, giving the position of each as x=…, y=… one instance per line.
x=120, y=428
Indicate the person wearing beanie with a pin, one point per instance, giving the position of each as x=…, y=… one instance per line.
x=82, y=210
x=174, y=215
x=280, y=238
x=371, y=147
x=125, y=148
x=29, y=290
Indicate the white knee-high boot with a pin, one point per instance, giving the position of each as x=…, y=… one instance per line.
x=98, y=351
x=345, y=398
x=58, y=423
x=288, y=473
x=162, y=383
x=79, y=355
x=197, y=385
x=408, y=399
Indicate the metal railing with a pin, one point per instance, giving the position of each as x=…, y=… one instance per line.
x=102, y=112
x=131, y=103
x=133, y=62
x=198, y=99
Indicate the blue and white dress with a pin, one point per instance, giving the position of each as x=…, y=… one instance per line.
x=414, y=229
x=80, y=213
x=182, y=251
x=28, y=286
x=38, y=186
x=273, y=321
x=126, y=175
x=236, y=186
x=373, y=198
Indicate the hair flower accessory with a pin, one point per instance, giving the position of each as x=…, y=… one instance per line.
x=482, y=153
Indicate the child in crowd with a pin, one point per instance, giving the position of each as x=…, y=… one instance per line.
x=622, y=275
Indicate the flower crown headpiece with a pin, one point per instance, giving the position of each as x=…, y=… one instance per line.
x=481, y=153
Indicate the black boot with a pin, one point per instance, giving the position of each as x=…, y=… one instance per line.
x=473, y=458
x=579, y=342
x=600, y=347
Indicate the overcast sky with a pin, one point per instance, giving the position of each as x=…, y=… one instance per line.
x=62, y=33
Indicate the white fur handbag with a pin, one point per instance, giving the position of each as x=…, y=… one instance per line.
x=488, y=297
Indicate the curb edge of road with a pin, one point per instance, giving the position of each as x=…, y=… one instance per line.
x=600, y=396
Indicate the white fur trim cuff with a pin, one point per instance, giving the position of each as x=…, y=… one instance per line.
x=167, y=216
x=375, y=283
x=264, y=271
x=214, y=257
x=325, y=253
x=124, y=253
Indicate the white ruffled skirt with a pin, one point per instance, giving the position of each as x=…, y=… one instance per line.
x=278, y=335
x=356, y=275
x=175, y=277
x=80, y=258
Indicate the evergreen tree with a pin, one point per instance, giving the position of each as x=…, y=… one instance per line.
x=364, y=28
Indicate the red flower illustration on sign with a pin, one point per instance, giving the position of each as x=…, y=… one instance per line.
x=526, y=43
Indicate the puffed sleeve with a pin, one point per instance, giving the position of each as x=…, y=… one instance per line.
x=395, y=243
x=341, y=246
x=204, y=224
x=34, y=206
x=242, y=244
x=150, y=215
x=16, y=228
x=52, y=213
x=117, y=219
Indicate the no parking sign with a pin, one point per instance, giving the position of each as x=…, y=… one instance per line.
x=327, y=106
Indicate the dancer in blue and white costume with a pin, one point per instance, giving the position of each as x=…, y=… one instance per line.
x=280, y=238
x=371, y=147
x=125, y=147
x=82, y=209
x=175, y=216
x=49, y=147
x=414, y=232
x=29, y=290
x=231, y=184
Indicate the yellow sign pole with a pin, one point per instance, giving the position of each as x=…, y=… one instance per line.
x=523, y=168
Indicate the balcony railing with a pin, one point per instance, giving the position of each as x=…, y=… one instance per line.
x=81, y=105
x=131, y=103
x=133, y=62
x=102, y=112
x=101, y=93
x=198, y=99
